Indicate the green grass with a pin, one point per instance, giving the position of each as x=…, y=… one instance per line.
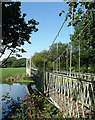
x=12, y=72
x=11, y=75
x=26, y=81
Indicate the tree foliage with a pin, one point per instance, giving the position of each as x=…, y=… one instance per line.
x=13, y=62
x=15, y=30
x=84, y=31
x=46, y=58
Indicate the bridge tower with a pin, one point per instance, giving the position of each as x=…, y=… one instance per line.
x=28, y=67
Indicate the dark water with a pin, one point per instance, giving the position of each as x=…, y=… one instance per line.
x=15, y=91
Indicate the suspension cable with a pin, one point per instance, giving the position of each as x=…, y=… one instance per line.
x=73, y=40
x=79, y=53
x=58, y=33
x=71, y=44
x=67, y=60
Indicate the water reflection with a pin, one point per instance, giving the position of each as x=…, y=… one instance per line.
x=15, y=91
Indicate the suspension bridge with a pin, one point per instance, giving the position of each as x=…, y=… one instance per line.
x=72, y=92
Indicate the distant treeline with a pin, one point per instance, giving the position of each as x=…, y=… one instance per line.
x=13, y=62
x=45, y=58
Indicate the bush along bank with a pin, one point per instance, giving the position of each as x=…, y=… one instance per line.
x=31, y=107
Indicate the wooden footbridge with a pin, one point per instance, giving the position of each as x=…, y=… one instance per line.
x=73, y=93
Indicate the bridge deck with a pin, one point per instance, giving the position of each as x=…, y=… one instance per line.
x=73, y=94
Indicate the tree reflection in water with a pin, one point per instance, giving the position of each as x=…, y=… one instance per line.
x=31, y=107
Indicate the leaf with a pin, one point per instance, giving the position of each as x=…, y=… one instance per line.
x=23, y=50
x=24, y=14
x=18, y=55
x=3, y=99
x=75, y=6
x=29, y=42
x=61, y=12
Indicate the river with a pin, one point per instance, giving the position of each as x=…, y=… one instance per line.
x=13, y=91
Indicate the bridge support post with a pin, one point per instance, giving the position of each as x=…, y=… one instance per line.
x=28, y=67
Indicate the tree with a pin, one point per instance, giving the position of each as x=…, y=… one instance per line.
x=9, y=62
x=14, y=62
x=39, y=58
x=19, y=63
x=46, y=58
x=87, y=42
x=15, y=31
x=83, y=15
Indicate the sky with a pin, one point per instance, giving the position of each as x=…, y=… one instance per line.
x=47, y=14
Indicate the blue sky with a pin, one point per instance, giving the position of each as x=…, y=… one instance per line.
x=47, y=13
x=50, y=22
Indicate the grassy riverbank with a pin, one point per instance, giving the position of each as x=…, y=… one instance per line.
x=14, y=75
x=12, y=72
